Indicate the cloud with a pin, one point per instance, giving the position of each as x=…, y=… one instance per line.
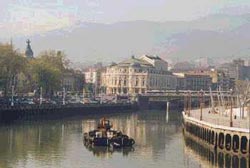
x=36, y=17
x=93, y=3
x=32, y=16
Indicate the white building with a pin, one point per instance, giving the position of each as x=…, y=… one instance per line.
x=137, y=76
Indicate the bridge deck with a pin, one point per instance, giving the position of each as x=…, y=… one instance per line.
x=219, y=119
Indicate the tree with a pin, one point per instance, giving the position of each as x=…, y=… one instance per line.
x=11, y=65
x=47, y=70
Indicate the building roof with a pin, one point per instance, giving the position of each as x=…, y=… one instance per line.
x=135, y=62
x=153, y=57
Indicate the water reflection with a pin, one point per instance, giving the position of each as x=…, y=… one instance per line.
x=106, y=152
x=212, y=158
x=150, y=130
x=59, y=143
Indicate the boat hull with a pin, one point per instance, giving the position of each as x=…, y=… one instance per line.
x=117, y=142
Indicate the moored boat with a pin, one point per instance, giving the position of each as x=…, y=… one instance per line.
x=104, y=135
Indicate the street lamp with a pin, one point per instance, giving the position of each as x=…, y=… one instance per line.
x=12, y=95
x=201, y=103
x=189, y=102
x=231, y=108
x=63, y=95
x=41, y=95
x=185, y=103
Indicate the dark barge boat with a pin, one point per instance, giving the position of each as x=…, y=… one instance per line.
x=104, y=135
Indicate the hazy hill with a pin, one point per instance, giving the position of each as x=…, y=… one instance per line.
x=218, y=36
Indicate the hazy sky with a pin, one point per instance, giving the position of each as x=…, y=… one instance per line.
x=29, y=16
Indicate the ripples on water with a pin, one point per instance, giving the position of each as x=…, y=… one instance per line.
x=59, y=143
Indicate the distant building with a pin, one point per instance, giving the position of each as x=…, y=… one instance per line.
x=28, y=52
x=236, y=70
x=193, y=81
x=182, y=66
x=221, y=80
x=93, y=76
x=197, y=80
x=73, y=81
x=138, y=75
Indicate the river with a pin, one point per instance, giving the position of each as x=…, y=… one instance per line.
x=59, y=143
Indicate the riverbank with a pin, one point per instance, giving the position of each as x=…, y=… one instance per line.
x=9, y=114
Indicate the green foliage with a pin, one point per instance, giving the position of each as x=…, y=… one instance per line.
x=47, y=70
x=11, y=65
x=30, y=74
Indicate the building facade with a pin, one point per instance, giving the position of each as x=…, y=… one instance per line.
x=193, y=81
x=73, y=81
x=137, y=76
x=93, y=77
x=237, y=70
x=198, y=82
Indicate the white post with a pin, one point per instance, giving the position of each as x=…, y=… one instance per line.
x=12, y=95
x=222, y=100
x=167, y=111
x=41, y=95
x=219, y=104
x=101, y=97
x=212, y=100
x=63, y=95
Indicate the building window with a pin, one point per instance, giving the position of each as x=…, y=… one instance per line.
x=143, y=82
x=125, y=90
x=136, y=82
x=143, y=91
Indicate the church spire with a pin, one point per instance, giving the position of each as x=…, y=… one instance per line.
x=28, y=52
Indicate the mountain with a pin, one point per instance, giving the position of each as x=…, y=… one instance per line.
x=220, y=37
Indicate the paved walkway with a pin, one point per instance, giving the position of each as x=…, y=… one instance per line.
x=219, y=119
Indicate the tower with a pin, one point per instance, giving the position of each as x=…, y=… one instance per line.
x=28, y=52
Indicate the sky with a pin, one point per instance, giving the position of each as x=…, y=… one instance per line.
x=25, y=17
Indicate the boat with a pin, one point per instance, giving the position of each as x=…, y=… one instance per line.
x=104, y=135
x=102, y=151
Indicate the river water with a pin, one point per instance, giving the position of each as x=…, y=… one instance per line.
x=59, y=143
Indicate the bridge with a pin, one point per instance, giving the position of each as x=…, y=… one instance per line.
x=159, y=98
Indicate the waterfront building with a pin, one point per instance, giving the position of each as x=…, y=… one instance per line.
x=73, y=81
x=193, y=80
x=138, y=75
x=236, y=69
x=93, y=76
x=222, y=80
x=197, y=80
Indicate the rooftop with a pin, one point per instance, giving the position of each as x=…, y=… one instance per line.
x=134, y=61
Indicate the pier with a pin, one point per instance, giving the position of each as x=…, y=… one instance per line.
x=220, y=132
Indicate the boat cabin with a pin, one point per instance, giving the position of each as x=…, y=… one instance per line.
x=104, y=123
